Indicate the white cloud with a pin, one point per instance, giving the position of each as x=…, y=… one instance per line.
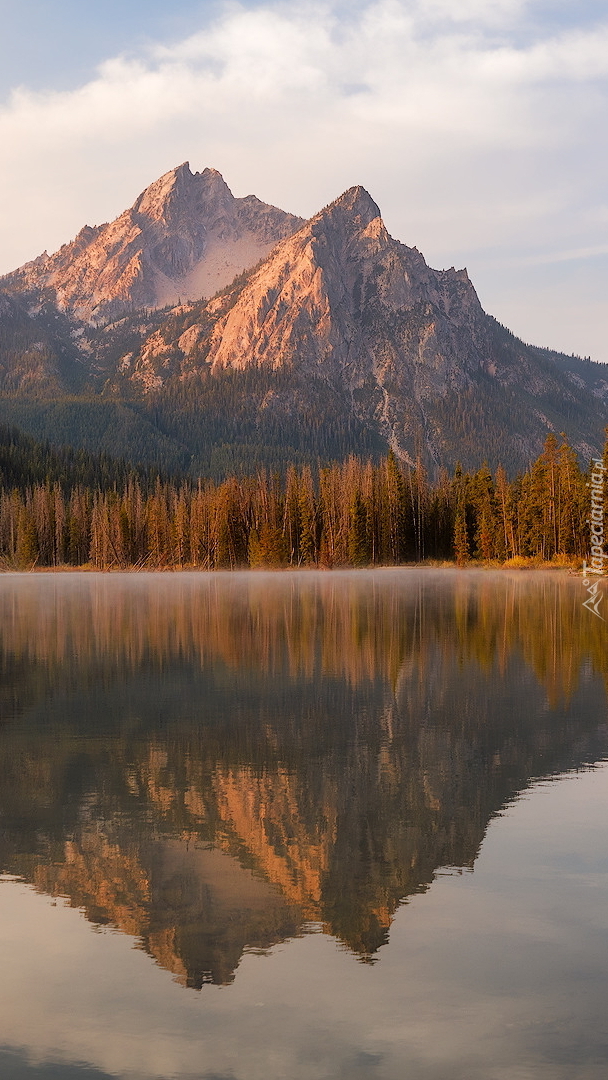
x=478, y=139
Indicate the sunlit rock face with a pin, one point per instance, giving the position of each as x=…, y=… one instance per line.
x=345, y=300
x=316, y=298
x=186, y=236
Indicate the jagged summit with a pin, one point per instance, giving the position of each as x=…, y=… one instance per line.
x=186, y=236
x=325, y=298
x=180, y=192
x=356, y=204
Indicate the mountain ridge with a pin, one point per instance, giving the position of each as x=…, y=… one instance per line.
x=335, y=322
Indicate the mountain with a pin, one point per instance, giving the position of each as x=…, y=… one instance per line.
x=185, y=236
x=342, y=311
x=340, y=340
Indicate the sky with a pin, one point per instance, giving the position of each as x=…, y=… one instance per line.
x=478, y=126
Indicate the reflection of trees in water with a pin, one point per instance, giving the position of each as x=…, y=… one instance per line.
x=366, y=738
x=355, y=625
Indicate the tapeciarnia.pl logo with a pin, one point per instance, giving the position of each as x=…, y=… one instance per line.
x=596, y=528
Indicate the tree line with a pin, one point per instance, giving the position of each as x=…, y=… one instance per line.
x=356, y=513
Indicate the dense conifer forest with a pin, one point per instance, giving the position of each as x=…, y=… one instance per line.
x=25, y=461
x=71, y=508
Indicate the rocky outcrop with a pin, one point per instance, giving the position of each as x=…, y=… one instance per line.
x=185, y=236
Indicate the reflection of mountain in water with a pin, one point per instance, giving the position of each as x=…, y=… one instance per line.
x=210, y=763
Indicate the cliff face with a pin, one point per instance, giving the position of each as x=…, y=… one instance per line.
x=185, y=236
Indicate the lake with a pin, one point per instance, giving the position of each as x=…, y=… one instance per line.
x=303, y=826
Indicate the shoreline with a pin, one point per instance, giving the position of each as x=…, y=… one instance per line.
x=525, y=565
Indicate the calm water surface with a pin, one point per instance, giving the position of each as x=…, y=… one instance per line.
x=303, y=827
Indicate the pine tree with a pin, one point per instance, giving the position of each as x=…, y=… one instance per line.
x=27, y=548
x=461, y=532
x=461, y=539
x=292, y=525
x=482, y=500
x=359, y=548
x=308, y=541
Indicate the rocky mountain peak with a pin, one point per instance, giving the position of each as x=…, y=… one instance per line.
x=186, y=236
x=355, y=208
x=343, y=301
x=155, y=199
x=181, y=193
